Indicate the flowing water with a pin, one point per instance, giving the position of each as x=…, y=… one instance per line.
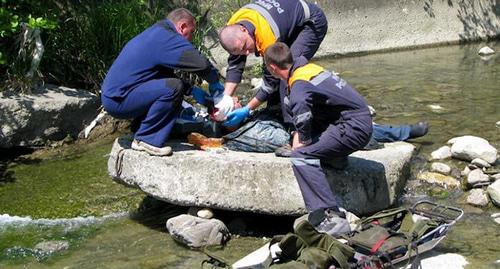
x=452, y=88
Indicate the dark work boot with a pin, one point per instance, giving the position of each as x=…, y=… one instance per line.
x=419, y=129
x=331, y=221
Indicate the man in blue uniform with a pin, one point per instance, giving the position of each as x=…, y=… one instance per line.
x=298, y=23
x=331, y=120
x=141, y=83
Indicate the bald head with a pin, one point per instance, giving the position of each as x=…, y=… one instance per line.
x=236, y=40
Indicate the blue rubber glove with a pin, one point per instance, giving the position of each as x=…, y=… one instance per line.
x=215, y=88
x=235, y=117
x=199, y=95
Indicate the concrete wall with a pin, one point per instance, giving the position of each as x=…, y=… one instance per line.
x=358, y=26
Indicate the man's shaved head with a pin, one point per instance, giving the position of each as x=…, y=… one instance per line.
x=236, y=40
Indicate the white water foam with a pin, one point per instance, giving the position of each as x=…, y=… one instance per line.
x=69, y=223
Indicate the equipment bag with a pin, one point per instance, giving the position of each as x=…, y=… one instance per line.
x=389, y=234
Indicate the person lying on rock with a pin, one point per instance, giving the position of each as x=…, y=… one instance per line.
x=250, y=30
x=331, y=120
x=141, y=83
x=383, y=133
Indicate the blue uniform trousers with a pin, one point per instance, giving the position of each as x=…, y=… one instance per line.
x=391, y=133
x=336, y=141
x=156, y=104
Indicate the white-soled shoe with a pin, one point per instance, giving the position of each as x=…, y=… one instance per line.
x=151, y=150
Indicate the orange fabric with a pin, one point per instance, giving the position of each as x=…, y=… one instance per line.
x=264, y=36
x=306, y=73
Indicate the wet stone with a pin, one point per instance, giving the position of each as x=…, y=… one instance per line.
x=52, y=246
x=436, y=178
x=480, y=163
x=486, y=51
x=440, y=168
x=477, y=197
x=496, y=217
x=477, y=178
x=494, y=193
x=443, y=152
x=471, y=147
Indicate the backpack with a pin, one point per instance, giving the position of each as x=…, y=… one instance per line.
x=307, y=248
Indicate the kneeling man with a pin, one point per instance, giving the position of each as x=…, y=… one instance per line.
x=331, y=121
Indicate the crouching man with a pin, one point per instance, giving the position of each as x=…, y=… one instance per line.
x=141, y=83
x=331, y=121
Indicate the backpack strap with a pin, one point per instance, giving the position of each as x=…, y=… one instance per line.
x=214, y=260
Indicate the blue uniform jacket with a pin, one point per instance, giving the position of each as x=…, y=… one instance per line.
x=314, y=107
x=289, y=17
x=154, y=54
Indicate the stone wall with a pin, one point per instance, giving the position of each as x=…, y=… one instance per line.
x=359, y=26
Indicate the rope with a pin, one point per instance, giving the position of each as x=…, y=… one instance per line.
x=119, y=162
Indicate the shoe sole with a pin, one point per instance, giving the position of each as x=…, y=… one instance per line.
x=138, y=147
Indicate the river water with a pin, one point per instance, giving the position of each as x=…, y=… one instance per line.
x=451, y=87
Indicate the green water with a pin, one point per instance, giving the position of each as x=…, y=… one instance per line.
x=68, y=182
x=451, y=87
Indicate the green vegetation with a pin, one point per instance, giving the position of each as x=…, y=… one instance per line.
x=82, y=38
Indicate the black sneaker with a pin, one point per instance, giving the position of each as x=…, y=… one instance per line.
x=419, y=129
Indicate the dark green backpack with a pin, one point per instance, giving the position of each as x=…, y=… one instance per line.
x=306, y=248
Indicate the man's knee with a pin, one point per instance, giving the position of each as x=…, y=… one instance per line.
x=179, y=87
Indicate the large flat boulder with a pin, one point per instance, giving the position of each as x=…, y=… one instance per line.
x=258, y=182
x=48, y=114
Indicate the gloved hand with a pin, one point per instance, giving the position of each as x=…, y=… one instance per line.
x=234, y=118
x=215, y=88
x=224, y=104
x=199, y=95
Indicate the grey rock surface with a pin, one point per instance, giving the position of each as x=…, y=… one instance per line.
x=49, y=114
x=258, y=182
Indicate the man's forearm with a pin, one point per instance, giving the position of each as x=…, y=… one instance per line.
x=230, y=88
x=254, y=103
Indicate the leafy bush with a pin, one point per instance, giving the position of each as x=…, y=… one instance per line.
x=82, y=38
x=21, y=47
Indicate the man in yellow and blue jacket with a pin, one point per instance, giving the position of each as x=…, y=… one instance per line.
x=254, y=27
x=331, y=120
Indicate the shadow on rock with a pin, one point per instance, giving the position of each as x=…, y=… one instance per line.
x=154, y=214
